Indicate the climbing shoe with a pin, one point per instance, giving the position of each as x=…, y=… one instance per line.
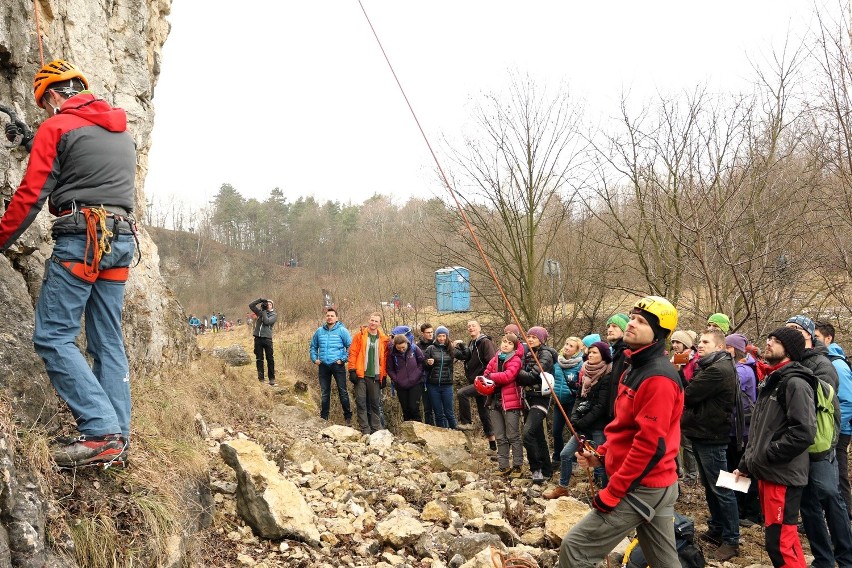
x=87, y=450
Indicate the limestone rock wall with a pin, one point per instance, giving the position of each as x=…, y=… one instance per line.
x=117, y=44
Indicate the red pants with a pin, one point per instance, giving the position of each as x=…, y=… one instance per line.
x=780, y=506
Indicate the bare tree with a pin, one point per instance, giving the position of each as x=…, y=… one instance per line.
x=516, y=186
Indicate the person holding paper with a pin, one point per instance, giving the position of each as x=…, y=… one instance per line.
x=782, y=428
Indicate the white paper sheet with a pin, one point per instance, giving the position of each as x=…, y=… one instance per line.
x=729, y=480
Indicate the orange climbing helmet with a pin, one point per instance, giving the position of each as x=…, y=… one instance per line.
x=54, y=72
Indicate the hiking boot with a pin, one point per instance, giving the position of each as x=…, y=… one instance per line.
x=556, y=493
x=272, y=383
x=537, y=477
x=467, y=427
x=516, y=473
x=504, y=471
x=90, y=449
x=348, y=422
x=747, y=523
x=712, y=538
x=726, y=552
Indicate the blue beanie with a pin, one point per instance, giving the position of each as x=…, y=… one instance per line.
x=441, y=329
x=589, y=339
x=805, y=323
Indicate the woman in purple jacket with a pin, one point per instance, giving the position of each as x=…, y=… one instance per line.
x=405, y=368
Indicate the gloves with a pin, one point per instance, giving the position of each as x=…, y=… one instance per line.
x=18, y=128
x=353, y=376
x=383, y=383
x=604, y=502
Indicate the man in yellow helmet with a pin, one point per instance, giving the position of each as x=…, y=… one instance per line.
x=639, y=453
x=83, y=163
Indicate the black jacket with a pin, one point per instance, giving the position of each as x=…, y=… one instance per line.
x=590, y=413
x=709, y=399
x=476, y=355
x=619, y=363
x=780, y=434
x=816, y=359
x=441, y=371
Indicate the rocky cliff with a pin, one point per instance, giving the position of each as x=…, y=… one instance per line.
x=117, y=43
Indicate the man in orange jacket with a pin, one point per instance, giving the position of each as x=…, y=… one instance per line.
x=367, y=372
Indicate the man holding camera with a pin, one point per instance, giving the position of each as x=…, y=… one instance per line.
x=266, y=318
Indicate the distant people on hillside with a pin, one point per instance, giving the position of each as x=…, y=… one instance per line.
x=266, y=318
x=195, y=324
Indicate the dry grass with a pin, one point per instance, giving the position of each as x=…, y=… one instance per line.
x=126, y=517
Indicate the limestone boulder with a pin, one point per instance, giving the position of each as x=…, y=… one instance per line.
x=235, y=355
x=560, y=515
x=302, y=449
x=269, y=503
x=468, y=546
x=340, y=433
x=399, y=529
x=380, y=439
x=447, y=448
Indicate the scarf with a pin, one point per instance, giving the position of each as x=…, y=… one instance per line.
x=592, y=374
x=574, y=361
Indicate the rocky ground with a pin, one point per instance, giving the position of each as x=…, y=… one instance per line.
x=423, y=498
x=290, y=489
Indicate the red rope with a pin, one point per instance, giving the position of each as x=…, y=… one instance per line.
x=38, y=32
x=464, y=216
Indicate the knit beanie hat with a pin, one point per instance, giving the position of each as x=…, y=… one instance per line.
x=683, y=337
x=512, y=328
x=737, y=340
x=604, y=348
x=441, y=329
x=621, y=320
x=722, y=321
x=805, y=323
x=792, y=340
x=539, y=332
x=589, y=339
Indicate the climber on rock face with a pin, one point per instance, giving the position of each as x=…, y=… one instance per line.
x=83, y=162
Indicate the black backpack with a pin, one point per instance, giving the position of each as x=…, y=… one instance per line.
x=688, y=553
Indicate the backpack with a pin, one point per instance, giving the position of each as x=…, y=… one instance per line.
x=834, y=358
x=688, y=553
x=826, y=434
x=403, y=330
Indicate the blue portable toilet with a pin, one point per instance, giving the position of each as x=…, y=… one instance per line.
x=452, y=289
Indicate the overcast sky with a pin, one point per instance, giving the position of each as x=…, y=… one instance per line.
x=296, y=95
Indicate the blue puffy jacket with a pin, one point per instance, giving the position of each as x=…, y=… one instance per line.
x=565, y=382
x=844, y=390
x=331, y=345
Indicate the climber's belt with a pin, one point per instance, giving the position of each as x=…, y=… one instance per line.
x=80, y=271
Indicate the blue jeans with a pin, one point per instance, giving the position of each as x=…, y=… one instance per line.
x=442, y=403
x=822, y=505
x=724, y=514
x=98, y=396
x=338, y=371
x=566, y=456
x=558, y=427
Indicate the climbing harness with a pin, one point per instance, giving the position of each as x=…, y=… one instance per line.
x=99, y=239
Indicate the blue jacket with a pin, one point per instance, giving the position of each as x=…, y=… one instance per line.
x=844, y=391
x=331, y=345
x=565, y=382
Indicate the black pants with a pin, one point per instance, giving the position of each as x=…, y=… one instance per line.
x=263, y=346
x=409, y=402
x=464, y=395
x=535, y=441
